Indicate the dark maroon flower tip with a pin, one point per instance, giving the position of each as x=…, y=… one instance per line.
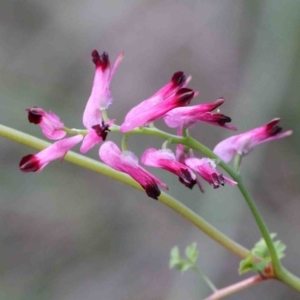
x=178, y=78
x=273, y=128
x=276, y=129
x=185, y=95
x=188, y=184
x=217, y=180
x=29, y=163
x=34, y=116
x=221, y=119
x=100, y=60
x=152, y=190
x=186, y=178
x=102, y=130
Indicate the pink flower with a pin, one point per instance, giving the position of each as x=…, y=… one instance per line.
x=145, y=114
x=127, y=162
x=183, y=153
x=165, y=159
x=49, y=123
x=178, y=81
x=206, y=168
x=95, y=135
x=186, y=116
x=100, y=97
x=36, y=162
x=243, y=143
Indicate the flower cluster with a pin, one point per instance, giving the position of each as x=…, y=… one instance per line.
x=171, y=103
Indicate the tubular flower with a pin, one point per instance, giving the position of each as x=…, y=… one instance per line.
x=36, y=162
x=206, y=168
x=178, y=81
x=243, y=143
x=127, y=162
x=49, y=123
x=100, y=97
x=152, y=112
x=182, y=153
x=165, y=159
x=186, y=116
x=95, y=135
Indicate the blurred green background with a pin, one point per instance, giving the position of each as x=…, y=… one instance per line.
x=68, y=233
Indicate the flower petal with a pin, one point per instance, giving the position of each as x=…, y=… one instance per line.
x=186, y=116
x=165, y=159
x=181, y=98
x=178, y=81
x=100, y=97
x=95, y=135
x=206, y=168
x=50, y=124
x=127, y=162
x=243, y=143
x=36, y=162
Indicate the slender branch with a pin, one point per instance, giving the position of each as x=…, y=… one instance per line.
x=290, y=279
x=166, y=199
x=235, y=287
x=237, y=163
x=205, y=278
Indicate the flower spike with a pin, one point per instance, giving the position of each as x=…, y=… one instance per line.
x=206, y=168
x=187, y=116
x=127, y=162
x=165, y=159
x=50, y=124
x=100, y=97
x=243, y=143
x=37, y=162
x=148, y=114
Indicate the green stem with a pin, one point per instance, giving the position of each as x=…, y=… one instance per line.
x=205, y=278
x=289, y=279
x=104, y=115
x=237, y=163
x=124, y=141
x=166, y=199
x=235, y=287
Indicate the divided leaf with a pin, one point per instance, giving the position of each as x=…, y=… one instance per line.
x=180, y=263
x=260, y=250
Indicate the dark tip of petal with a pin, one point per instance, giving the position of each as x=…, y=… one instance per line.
x=105, y=60
x=185, y=95
x=100, y=60
x=221, y=179
x=275, y=130
x=101, y=130
x=215, y=180
x=189, y=184
x=34, y=116
x=152, y=190
x=178, y=78
x=223, y=120
x=29, y=163
x=96, y=57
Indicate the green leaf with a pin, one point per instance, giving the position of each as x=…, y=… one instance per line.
x=175, y=258
x=191, y=253
x=183, y=264
x=261, y=250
